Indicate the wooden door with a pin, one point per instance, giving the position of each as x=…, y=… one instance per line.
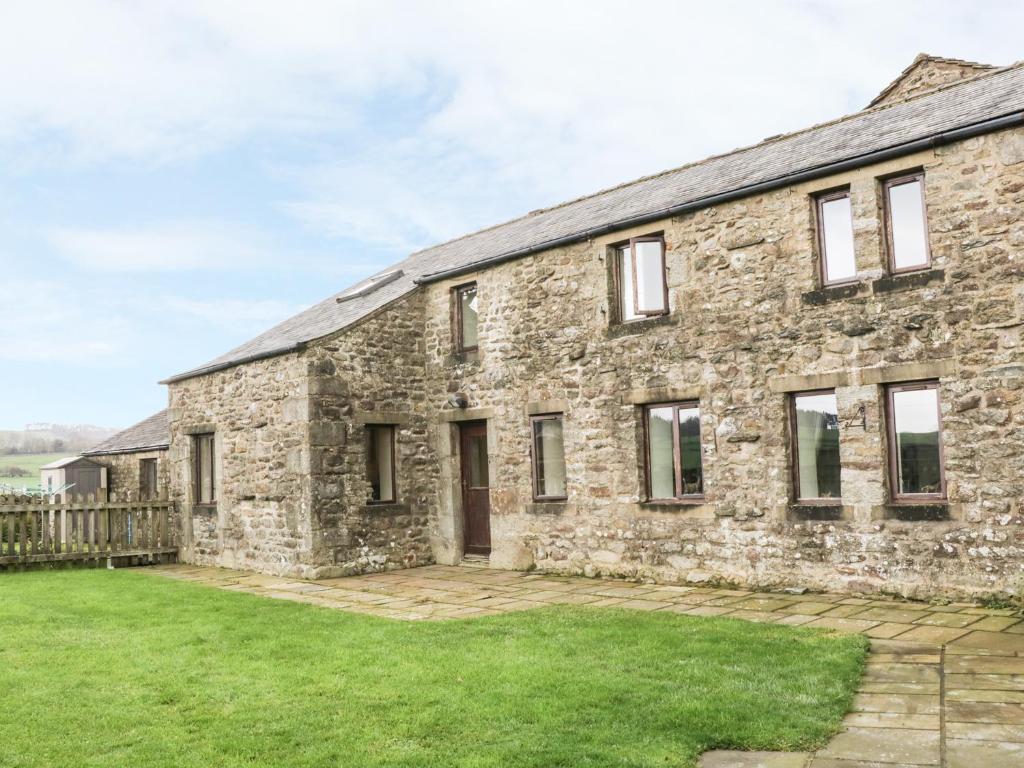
x=476, y=498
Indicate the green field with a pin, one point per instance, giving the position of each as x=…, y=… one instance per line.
x=29, y=461
x=105, y=668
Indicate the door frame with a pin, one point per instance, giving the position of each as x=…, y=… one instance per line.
x=463, y=427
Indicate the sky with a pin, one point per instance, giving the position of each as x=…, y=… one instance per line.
x=176, y=177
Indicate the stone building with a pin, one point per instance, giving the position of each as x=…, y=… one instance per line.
x=136, y=459
x=795, y=363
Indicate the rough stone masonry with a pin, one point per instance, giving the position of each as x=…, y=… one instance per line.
x=749, y=324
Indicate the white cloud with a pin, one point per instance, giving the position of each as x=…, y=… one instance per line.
x=164, y=247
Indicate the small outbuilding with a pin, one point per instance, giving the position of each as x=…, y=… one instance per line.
x=76, y=474
x=136, y=458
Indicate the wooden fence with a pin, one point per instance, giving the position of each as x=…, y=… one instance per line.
x=37, y=530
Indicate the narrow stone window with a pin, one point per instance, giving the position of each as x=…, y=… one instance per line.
x=674, y=468
x=147, y=478
x=815, y=432
x=906, y=223
x=640, y=271
x=835, y=238
x=466, y=317
x=548, y=458
x=204, y=469
x=915, y=442
x=380, y=463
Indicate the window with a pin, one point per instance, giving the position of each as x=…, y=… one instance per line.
x=640, y=270
x=466, y=317
x=674, y=452
x=815, y=432
x=548, y=458
x=380, y=462
x=835, y=238
x=203, y=449
x=915, y=442
x=906, y=223
x=147, y=479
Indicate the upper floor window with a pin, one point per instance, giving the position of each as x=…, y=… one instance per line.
x=548, y=458
x=674, y=468
x=815, y=433
x=380, y=462
x=835, y=237
x=148, y=479
x=466, y=318
x=642, y=287
x=204, y=469
x=914, y=426
x=906, y=223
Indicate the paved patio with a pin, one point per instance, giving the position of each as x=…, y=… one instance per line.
x=944, y=684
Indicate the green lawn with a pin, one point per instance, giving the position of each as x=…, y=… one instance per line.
x=28, y=461
x=103, y=668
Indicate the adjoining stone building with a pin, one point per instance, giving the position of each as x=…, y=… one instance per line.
x=799, y=362
x=136, y=459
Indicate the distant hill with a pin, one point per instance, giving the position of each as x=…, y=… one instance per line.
x=52, y=438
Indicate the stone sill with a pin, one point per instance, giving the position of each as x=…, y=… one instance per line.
x=552, y=507
x=913, y=512
x=469, y=360
x=830, y=293
x=696, y=508
x=207, y=509
x=907, y=281
x=636, y=327
x=807, y=513
x=386, y=508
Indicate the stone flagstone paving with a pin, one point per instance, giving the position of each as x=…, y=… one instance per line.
x=944, y=685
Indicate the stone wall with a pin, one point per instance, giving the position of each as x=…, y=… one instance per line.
x=259, y=413
x=748, y=325
x=928, y=74
x=372, y=373
x=124, y=476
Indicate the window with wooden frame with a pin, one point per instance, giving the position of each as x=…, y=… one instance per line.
x=914, y=426
x=148, y=479
x=380, y=463
x=640, y=278
x=814, y=430
x=204, y=469
x=837, y=257
x=466, y=318
x=674, y=470
x=906, y=223
x=548, y=455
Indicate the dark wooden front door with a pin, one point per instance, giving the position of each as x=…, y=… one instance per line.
x=476, y=498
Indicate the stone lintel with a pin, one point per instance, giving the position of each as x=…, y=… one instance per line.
x=382, y=417
x=908, y=372
x=808, y=382
x=539, y=407
x=647, y=395
x=465, y=414
x=199, y=429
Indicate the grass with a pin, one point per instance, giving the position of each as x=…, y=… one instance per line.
x=107, y=668
x=27, y=461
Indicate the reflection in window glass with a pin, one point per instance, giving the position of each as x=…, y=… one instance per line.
x=549, y=457
x=817, y=445
x=468, y=316
x=674, y=468
x=478, y=472
x=204, y=470
x=380, y=468
x=915, y=425
x=907, y=225
x=662, y=469
x=692, y=474
x=650, y=277
x=836, y=223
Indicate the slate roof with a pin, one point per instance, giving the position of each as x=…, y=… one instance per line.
x=151, y=434
x=990, y=95
x=65, y=462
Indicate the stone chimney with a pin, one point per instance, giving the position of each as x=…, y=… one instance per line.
x=926, y=73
